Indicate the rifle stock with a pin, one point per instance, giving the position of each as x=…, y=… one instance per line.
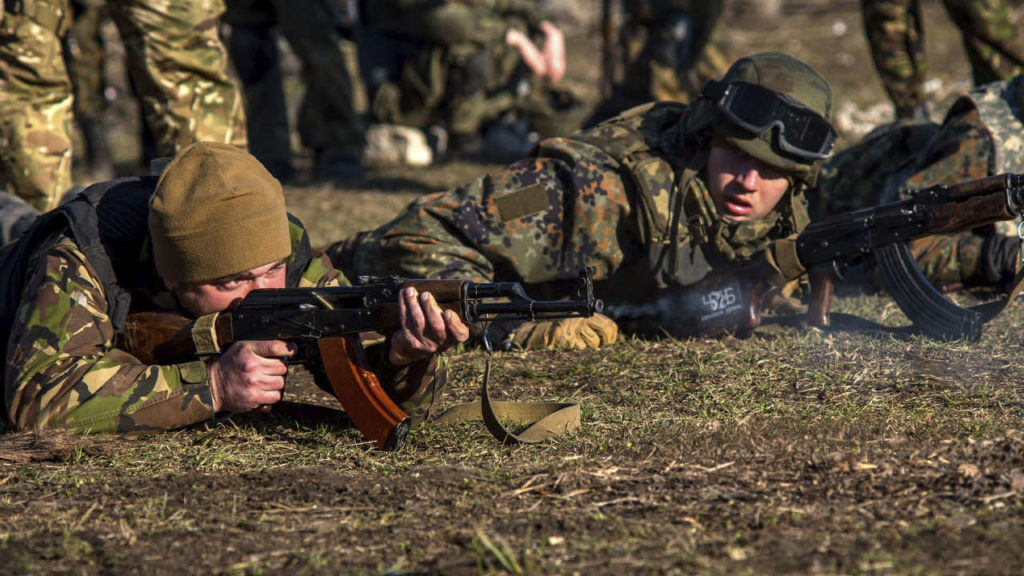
x=326, y=323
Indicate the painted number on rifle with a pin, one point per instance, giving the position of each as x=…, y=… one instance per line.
x=718, y=300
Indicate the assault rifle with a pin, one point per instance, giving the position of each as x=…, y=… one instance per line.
x=325, y=324
x=730, y=302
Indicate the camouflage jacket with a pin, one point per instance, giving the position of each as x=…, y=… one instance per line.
x=662, y=166
x=64, y=368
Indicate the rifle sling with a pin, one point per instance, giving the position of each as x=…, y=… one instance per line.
x=543, y=420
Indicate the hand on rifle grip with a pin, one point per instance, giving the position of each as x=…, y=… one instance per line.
x=249, y=374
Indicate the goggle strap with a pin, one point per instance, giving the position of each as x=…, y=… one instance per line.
x=714, y=90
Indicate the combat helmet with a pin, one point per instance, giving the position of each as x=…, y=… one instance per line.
x=774, y=108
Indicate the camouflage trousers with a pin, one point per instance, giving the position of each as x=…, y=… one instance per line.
x=895, y=35
x=538, y=221
x=173, y=53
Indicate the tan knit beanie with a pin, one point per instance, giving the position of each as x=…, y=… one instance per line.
x=216, y=212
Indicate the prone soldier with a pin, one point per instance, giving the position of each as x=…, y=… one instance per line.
x=199, y=239
x=657, y=197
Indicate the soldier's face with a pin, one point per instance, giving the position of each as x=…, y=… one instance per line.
x=206, y=297
x=743, y=188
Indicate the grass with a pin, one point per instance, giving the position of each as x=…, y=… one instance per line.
x=792, y=451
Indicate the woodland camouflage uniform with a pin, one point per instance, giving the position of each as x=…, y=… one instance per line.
x=174, y=54
x=895, y=36
x=426, y=62
x=603, y=198
x=982, y=135
x=64, y=368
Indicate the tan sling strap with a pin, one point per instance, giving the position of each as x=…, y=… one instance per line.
x=543, y=420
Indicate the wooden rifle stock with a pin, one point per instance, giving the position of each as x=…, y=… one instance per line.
x=166, y=337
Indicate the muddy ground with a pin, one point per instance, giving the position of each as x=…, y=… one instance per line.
x=793, y=451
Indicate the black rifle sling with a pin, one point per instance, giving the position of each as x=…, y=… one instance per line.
x=302, y=254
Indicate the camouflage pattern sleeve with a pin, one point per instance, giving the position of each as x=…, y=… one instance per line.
x=962, y=149
x=63, y=370
x=441, y=23
x=537, y=220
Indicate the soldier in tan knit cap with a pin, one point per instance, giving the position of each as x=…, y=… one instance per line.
x=209, y=231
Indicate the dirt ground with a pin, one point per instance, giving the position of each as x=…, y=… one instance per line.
x=793, y=451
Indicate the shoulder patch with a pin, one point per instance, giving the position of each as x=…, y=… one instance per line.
x=523, y=202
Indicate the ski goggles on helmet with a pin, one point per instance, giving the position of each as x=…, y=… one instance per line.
x=802, y=131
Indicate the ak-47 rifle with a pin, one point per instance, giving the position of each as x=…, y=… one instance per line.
x=325, y=323
x=825, y=247
x=730, y=302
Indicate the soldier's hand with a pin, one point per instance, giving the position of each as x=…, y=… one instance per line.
x=249, y=374
x=528, y=51
x=554, y=51
x=426, y=328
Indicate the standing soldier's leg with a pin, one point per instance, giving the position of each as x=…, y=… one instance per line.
x=258, y=63
x=84, y=54
x=252, y=43
x=175, y=52
x=328, y=122
x=895, y=36
x=35, y=104
x=992, y=41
